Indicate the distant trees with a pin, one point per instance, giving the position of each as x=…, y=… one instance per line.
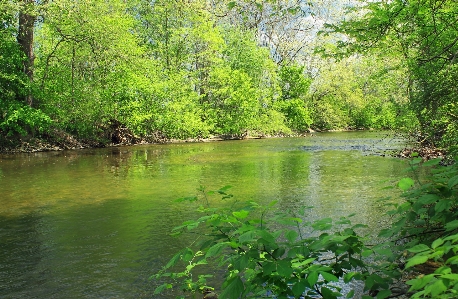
x=423, y=34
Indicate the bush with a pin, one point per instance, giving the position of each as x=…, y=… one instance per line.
x=18, y=118
x=426, y=229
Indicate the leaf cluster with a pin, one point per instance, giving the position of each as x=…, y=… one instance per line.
x=425, y=229
x=268, y=252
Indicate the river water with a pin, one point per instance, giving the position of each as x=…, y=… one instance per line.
x=95, y=223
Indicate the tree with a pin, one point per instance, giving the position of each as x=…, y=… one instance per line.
x=88, y=63
x=25, y=37
x=424, y=34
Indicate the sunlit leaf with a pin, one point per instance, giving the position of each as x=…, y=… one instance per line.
x=416, y=260
x=436, y=243
x=418, y=248
x=406, y=183
x=241, y=214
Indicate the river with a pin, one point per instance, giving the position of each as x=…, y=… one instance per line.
x=95, y=223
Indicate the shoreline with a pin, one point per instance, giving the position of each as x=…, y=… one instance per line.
x=61, y=141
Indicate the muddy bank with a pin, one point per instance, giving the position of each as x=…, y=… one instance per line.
x=58, y=140
x=426, y=152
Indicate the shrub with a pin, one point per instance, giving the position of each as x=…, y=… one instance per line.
x=265, y=251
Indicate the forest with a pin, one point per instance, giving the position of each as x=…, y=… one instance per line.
x=192, y=69
x=162, y=70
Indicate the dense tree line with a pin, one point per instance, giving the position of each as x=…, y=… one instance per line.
x=185, y=69
x=423, y=35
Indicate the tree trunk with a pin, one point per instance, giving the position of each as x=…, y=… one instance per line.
x=25, y=39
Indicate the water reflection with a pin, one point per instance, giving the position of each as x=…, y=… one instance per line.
x=95, y=223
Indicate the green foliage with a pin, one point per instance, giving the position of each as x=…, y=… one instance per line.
x=298, y=116
x=361, y=92
x=13, y=81
x=294, y=83
x=19, y=118
x=233, y=101
x=270, y=252
x=426, y=227
x=423, y=34
x=265, y=251
x=87, y=63
x=294, y=87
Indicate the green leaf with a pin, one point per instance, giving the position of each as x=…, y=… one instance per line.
x=419, y=283
x=416, y=260
x=328, y=294
x=442, y=205
x=323, y=224
x=436, y=243
x=299, y=288
x=349, y=276
x=366, y=253
x=291, y=235
x=233, y=289
x=174, y=260
x=272, y=203
x=267, y=236
x=162, y=287
x=278, y=253
x=418, y=248
x=350, y=294
x=224, y=189
x=452, y=225
x=241, y=262
x=450, y=276
x=383, y=294
x=187, y=255
x=387, y=252
x=216, y=249
x=432, y=162
x=359, y=226
x=406, y=183
x=426, y=200
x=329, y=277
x=268, y=268
x=247, y=237
x=284, y=268
x=312, y=278
x=437, y=288
x=241, y=214
x=453, y=181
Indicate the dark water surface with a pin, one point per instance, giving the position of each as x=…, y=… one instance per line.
x=95, y=223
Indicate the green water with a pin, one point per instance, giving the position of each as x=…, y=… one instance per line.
x=95, y=223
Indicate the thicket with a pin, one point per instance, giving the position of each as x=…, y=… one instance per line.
x=266, y=252
x=423, y=34
x=183, y=69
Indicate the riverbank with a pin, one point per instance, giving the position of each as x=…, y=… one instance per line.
x=116, y=135
x=58, y=141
